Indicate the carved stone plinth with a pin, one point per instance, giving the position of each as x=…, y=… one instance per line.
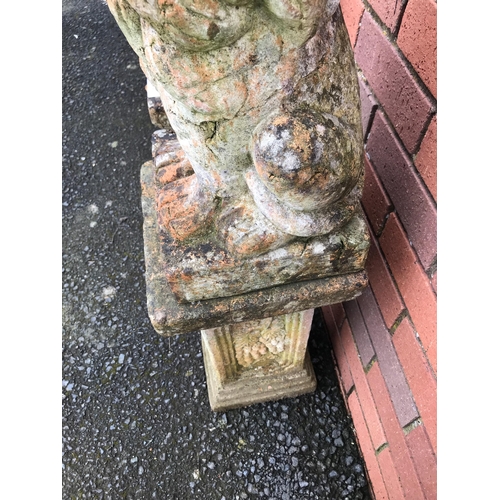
x=172, y=317
x=251, y=201
x=204, y=269
x=258, y=360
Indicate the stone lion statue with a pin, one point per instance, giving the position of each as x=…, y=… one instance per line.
x=263, y=98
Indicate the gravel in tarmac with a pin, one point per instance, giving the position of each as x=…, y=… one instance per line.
x=137, y=423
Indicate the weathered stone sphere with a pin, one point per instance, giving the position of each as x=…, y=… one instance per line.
x=307, y=160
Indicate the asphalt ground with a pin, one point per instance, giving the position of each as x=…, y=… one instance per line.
x=136, y=421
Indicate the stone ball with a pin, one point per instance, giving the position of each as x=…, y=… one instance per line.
x=308, y=160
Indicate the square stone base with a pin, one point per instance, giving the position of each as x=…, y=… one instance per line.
x=171, y=317
x=203, y=270
x=257, y=361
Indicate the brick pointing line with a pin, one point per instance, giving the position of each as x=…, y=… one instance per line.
x=368, y=106
x=338, y=314
x=363, y=390
x=408, y=193
x=434, y=282
x=382, y=285
x=390, y=475
x=375, y=202
x=424, y=460
x=352, y=10
x=358, y=329
x=397, y=445
x=420, y=378
x=338, y=350
x=426, y=159
x=390, y=366
x=376, y=480
x=417, y=40
x=407, y=106
x=413, y=284
x=388, y=12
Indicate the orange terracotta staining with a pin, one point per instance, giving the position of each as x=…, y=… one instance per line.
x=206, y=70
x=173, y=172
x=177, y=14
x=301, y=139
x=287, y=67
x=280, y=120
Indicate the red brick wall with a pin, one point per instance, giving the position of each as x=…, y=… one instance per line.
x=384, y=342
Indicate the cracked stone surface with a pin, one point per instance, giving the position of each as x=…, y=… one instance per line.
x=136, y=419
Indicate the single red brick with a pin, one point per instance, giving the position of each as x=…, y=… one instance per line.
x=361, y=386
x=389, y=12
x=405, y=103
x=390, y=475
x=424, y=460
x=388, y=361
x=419, y=376
x=352, y=11
x=368, y=105
x=426, y=159
x=409, y=195
x=358, y=329
x=395, y=436
x=413, y=284
x=374, y=475
x=374, y=200
x=417, y=39
x=341, y=361
x=382, y=284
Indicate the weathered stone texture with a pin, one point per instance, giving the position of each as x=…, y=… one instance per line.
x=252, y=206
x=171, y=317
x=267, y=160
x=258, y=361
x=157, y=113
x=206, y=270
